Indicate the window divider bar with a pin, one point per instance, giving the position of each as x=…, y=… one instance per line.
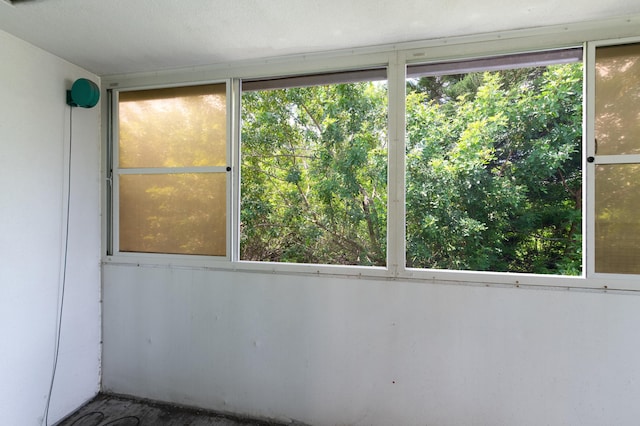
x=172, y=170
x=109, y=178
x=588, y=181
x=396, y=239
x=233, y=220
x=617, y=159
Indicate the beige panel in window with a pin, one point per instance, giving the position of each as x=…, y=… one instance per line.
x=617, y=221
x=175, y=213
x=175, y=127
x=617, y=103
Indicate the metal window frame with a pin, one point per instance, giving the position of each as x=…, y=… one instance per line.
x=358, y=74
x=523, y=59
x=590, y=167
x=114, y=170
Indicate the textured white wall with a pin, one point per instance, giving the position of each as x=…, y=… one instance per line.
x=330, y=351
x=34, y=137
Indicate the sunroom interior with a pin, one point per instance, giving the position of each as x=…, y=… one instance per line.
x=106, y=292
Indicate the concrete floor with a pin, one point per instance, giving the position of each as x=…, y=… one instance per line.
x=111, y=410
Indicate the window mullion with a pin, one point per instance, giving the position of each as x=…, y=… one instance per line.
x=113, y=219
x=588, y=181
x=396, y=179
x=233, y=197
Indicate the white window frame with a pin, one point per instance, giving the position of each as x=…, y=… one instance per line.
x=395, y=58
x=318, y=78
x=116, y=172
x=499, y=277
x=589, y=123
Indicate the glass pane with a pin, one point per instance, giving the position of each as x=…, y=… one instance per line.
x=617, y=218
x=176, y=127
x=617, y=103
x=176, y=213
x=314, y=174
x=494, y=170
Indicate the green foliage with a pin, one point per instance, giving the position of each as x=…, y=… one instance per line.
x=314, y=175
x=493, y=172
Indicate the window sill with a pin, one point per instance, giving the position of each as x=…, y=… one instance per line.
x=597, y=282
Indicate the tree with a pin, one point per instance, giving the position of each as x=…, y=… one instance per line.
x=314, y=174
x=493, y=171
x=493, y=167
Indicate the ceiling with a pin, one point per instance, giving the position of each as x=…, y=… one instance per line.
x=123, y=36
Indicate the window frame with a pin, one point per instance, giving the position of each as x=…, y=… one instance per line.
x=506, y=61
x=395, y=58
x=334, y=77
x=115, y=172
x=590, y=197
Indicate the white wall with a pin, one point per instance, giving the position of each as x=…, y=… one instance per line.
x=34, y=138
x=329, y=351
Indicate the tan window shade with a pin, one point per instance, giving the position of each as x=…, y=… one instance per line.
x=175, y=127
x=617, y=222
x=617, y=103
x=165, y=210
x=175, y=213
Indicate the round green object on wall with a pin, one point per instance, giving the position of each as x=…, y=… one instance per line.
x=84, y=93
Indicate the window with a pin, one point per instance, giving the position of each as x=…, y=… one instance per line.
x=490, y=149
x=171, y=170
x=617, y=170
x=314, y=169
x=493, y=164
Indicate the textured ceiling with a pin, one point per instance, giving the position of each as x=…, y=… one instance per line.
x=122, y=36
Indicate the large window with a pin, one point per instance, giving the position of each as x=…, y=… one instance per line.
x=171, y=170
x=476, y=164
x=493, y=164
x=314, y=169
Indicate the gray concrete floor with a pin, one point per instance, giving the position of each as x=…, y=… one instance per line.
x=111, y=410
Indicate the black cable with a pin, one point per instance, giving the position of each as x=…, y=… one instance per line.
x=64, y=276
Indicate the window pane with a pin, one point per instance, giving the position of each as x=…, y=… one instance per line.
x=617, y=103
x=314, y=174
x=176, y=127
x=493, y=169
x=617, y=220
x=174, y=213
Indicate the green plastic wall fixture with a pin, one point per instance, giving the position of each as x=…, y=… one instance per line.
x=84, y=93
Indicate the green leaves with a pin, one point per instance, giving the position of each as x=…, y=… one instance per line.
x=489, y=157
x=493, y=172
x=314, y=163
